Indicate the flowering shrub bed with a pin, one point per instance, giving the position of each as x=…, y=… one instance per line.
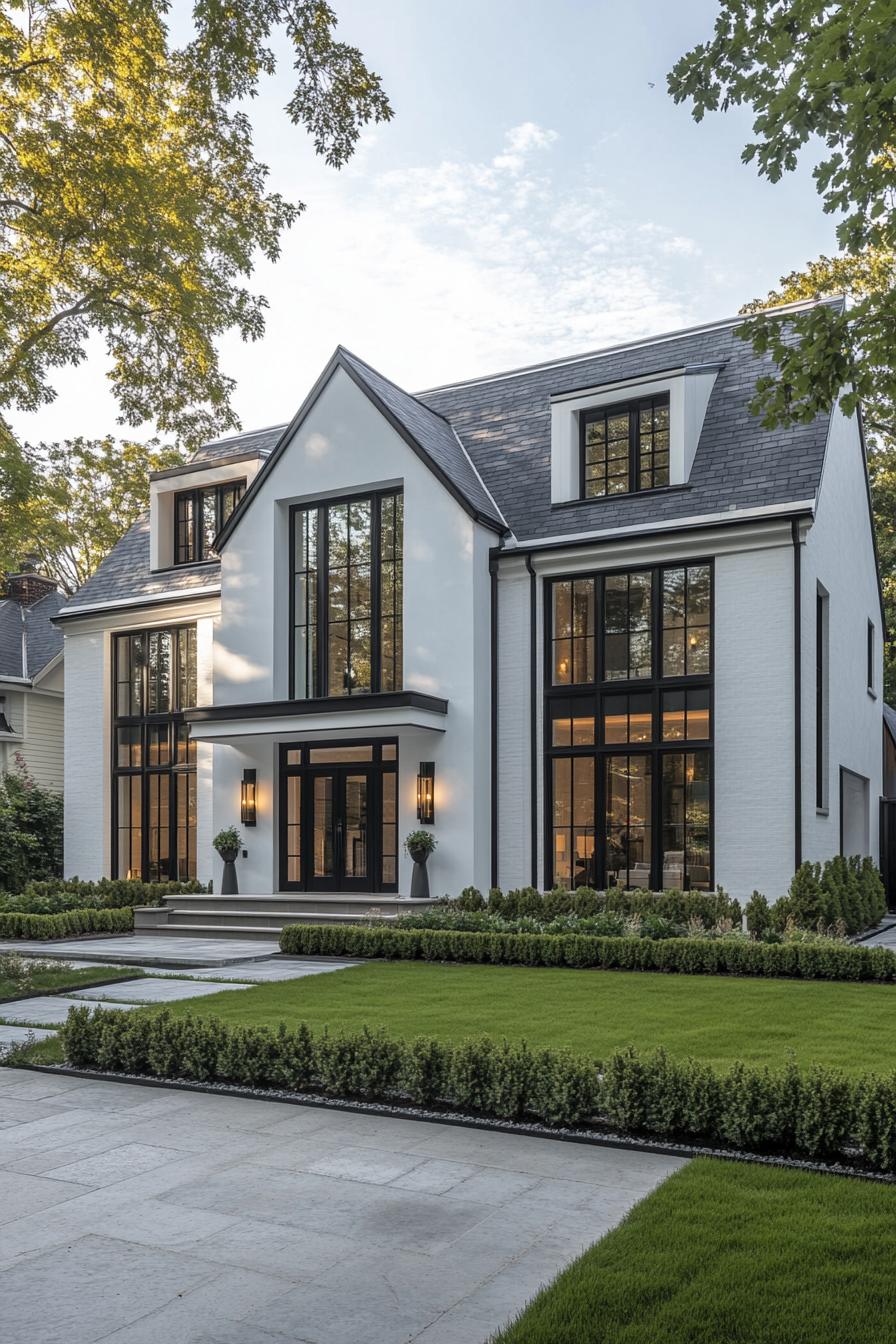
x=814, y=1113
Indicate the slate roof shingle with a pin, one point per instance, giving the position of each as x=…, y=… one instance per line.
x=42, y=639
x=489, y=440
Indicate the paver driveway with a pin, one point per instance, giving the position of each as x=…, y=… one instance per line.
x=137, y=1215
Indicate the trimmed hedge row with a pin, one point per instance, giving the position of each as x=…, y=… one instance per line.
x=67, y=924
x=586, y=902
x=686, y=956
x=815, y=1113
x=71, y=893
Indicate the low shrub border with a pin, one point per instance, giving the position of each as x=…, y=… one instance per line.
x=816, y=1113
x=67, y=924
x=686, y=956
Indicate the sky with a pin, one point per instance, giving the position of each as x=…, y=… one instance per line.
x=538, y=194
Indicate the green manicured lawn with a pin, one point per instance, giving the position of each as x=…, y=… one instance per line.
x=715, y=1019
x=724, y=1252
x=57, y=980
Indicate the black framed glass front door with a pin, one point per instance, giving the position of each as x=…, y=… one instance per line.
x=338, y=817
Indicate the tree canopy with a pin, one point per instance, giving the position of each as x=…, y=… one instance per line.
x=70, y=502
x=819, y=77
x=132, y=204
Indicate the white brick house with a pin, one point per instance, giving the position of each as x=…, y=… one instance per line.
x=627, y=634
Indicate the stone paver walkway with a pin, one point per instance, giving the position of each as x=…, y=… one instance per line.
x=134, y=1215
x=47, y=1010
x=886, y=938
x=11, y=1035
x=150, y=989
x=145, y=949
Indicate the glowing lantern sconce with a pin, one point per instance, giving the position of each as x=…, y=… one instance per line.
x=426, y=806
x=247, y=798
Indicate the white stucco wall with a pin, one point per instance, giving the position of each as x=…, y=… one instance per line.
x=345, y=445
x=839, y=556
x=514, y=731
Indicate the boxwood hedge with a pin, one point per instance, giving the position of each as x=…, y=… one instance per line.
x=66, y=924
x=688, y=956
x=814, y=1113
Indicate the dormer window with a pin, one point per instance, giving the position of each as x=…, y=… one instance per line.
x=625, y=447
x=199, y=516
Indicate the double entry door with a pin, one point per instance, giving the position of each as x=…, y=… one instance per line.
x=338, y=820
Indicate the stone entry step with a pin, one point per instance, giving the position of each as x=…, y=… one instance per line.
x=211, y=915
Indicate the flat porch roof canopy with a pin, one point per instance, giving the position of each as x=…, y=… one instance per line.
x=339, y=715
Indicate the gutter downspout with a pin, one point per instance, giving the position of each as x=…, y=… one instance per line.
x=797, y=696
x=533, y=723
x=493, y=783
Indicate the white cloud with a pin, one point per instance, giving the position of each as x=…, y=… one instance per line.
x=440, y=271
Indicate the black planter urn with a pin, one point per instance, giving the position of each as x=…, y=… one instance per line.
x=229, y=884
x=419, y=875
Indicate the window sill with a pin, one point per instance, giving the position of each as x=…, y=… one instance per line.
x=628, y=494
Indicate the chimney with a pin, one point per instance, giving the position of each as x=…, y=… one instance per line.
x=28, y=586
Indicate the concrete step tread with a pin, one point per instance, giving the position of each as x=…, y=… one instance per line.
x=367, y=898
x=275, y=914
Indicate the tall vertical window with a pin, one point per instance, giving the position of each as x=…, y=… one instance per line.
x=628, y=728
x=154, y=760
x=870, y=657
x=572, y=632
x=625, y=447
x=346, y=599
x=199, y=516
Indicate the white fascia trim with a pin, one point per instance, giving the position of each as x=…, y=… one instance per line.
x=643, y=344
x=584, y=393
x=667, y=525
x=138, y=602
x=498, y=513
x=14, y=681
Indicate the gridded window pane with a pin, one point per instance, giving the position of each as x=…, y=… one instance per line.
x=686, y=715
x=389, y=841
x=686, y=620
x=130, y=835
x=686, y=821
x=628, y=818
x=199, y=516
x=391, y=518
x=158, y=822
x=336, y=755
x=186, y=667
x=294, y=828
x=606, y=452
x=572, y=723
x=185, y=787
x=183, y=527
x=159, y=672
x=208, y=521
x=627, y=626
x=305, y=531
x=653, y=442
x=573, y=619
x=158, y=751
x=627, y=718
x=573, y=821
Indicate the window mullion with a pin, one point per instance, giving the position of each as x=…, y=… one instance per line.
x=376, y=591
x=323, y=616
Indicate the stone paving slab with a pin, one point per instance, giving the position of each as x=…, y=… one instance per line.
x=192, y=1218
x=148, y=949
x=48, y=1010
x=152, y=989
x=11, y=1035
x=268, y=971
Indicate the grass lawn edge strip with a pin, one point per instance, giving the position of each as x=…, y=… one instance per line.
x=683, y=956
x=597, y=1138
x=62, y=990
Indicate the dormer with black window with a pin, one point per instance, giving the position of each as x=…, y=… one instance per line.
x=190, y=505
x=630, y=437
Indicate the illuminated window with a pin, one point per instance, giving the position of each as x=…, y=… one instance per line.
x=625, y=447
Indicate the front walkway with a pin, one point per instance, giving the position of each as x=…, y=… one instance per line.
x=150, y=949
x=138, y=1214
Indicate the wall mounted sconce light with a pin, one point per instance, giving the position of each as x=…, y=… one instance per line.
x=247, y=798
x=426, y=805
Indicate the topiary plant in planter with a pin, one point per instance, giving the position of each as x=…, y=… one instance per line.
x=227, y=843
x=419, y=845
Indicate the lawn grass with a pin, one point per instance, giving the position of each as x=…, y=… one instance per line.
x=715, y=1019
x=724, y=1252
x=58, y=980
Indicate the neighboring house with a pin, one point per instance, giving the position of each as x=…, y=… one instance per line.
x=589, y=617
x=31, y=678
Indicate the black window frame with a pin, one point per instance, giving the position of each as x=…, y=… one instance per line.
x=632, y=407
x=319, y=687
x=870, y=652
x=305, y=768
x=589, y=699
x=197, y=549
x=167, y=727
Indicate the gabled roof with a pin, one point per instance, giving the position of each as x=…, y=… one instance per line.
x=426, y=432
x=28, y=639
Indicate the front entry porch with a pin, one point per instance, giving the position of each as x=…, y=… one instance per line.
x=263, y=917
